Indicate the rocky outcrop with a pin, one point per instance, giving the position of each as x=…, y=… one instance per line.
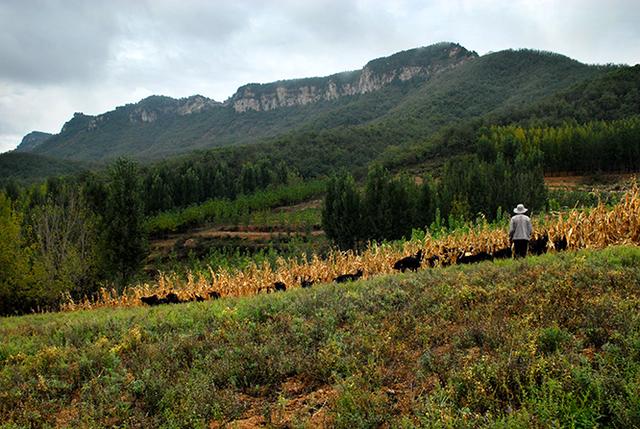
x=151, y=108
x=422, y=63
x=32, y=141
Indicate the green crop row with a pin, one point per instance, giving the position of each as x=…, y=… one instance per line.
x=224, y=211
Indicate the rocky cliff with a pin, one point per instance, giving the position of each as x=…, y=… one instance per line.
x=32, y=141
x=420, y=63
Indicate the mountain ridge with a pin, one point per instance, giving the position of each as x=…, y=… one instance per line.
x=452, y=84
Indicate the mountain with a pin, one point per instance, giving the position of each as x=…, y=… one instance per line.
x=158, y=127
x=343, y=120
x=32, y=140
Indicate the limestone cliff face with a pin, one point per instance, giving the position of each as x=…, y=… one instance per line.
x=421, y=63
x=149, y=109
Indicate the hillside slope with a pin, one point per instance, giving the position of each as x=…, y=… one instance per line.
x=31, y=167
x=550, y=341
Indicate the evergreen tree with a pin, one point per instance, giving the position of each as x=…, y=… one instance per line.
x=341, y=213
x=124, y=237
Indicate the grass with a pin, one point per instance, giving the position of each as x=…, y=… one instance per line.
x=551, y=341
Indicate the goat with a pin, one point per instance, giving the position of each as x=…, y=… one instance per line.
x=560, y=244
x=539, y=245
x=502, y=253
x=470, y=258
x=306, y=283
x=172, y=298
x=433, y=260
x=409, y=262
x=343, y=278
x=152, y=300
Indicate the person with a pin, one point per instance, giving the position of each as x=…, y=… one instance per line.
x=520, y=231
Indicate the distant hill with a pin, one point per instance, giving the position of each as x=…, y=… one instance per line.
x=32, y=141
x=29, y=167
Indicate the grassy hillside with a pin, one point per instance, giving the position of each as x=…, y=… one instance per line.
x=548, y=341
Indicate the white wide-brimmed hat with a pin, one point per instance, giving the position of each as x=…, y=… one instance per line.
x=520, y=209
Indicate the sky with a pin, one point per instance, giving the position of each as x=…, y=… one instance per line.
x=58, y=57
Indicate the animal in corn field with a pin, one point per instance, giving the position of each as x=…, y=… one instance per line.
x=306, y=283
x=539, y=245
x=170, y=298
x=472, y=258
x=560, y=244
x=504, y=253
x=343, y=278
x=152, y=300
x=432, y=261
x=409, y=262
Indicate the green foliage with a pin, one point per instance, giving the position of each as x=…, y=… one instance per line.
x=221, y=211
x=15, y=284
x=29, y=168
x=342, y=213
x=596, y=146
x=65, y=236
x=124, y=238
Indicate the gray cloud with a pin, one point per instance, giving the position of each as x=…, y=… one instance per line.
x=62, y=56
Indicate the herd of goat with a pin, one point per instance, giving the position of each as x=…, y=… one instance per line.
x=537, y=246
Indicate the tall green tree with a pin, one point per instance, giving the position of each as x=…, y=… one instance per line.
x=341, y=213
x=124, y=239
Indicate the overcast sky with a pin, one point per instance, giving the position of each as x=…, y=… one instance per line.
x=58, y=57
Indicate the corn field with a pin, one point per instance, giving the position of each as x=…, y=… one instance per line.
x=596, y=228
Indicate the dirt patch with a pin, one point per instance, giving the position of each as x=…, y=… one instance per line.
x=314, y=204
x=573, y=182
x=292, y=407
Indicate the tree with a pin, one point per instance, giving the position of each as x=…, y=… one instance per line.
x=66, y=244
x=341, y=213
x=21, y=287
x=124, y=239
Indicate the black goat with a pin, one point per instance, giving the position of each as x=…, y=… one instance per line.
x=539, y=245
x=152, y=300
x=409, y=262
x=560, y=244
x=502, y=253
x=172, y=298
x=432, y=261
x=471, y=258
x=343, y=278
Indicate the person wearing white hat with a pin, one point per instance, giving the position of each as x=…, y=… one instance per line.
x=520, y=231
